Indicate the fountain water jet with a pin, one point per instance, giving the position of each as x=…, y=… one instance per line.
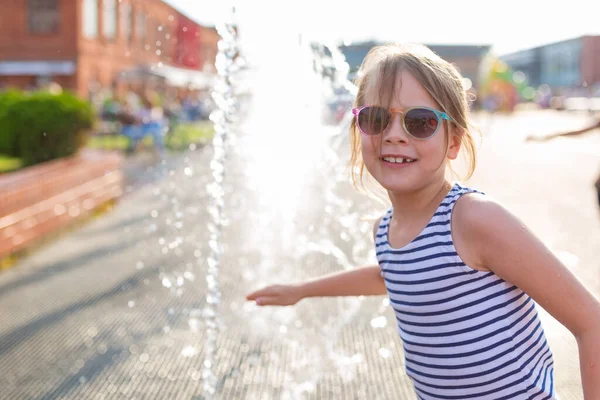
x=224, y=119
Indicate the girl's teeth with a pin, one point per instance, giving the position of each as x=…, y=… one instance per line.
x=398, y=160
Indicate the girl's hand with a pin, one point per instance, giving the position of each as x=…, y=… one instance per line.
x=276, y=295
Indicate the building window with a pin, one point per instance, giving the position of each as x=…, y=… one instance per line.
x=140, y=26
x=90, y=19
x=44, y=16
x=110, y=19
x=126, y=23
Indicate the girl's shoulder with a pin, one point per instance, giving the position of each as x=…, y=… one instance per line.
x=475, y=212
x=479, y=223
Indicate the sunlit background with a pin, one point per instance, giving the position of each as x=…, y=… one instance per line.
x=508, y=26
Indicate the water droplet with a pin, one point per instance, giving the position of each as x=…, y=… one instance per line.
x=139, y=265
x=189, y=351
x=385, y=353
x=166, y=283
x=102, y=348
x=59, y=209
x=189, y=276
x=188, y=171
x=194, y=324
x=196, y=375
x=154, y=213
x=131, y=303
x=379, y=322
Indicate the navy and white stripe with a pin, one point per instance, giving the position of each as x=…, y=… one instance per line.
x=467, y=334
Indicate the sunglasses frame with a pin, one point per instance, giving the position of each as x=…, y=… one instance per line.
x=439, y=114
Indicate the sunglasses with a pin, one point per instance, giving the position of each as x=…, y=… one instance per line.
x=418, y=122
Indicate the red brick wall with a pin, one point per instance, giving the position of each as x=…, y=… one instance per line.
x=17, y=43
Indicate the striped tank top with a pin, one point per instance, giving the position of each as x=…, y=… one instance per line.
x=466, y=334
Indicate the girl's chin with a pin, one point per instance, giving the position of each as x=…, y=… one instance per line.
x=397, y=185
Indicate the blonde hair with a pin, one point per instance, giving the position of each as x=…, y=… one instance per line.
x=379, y=71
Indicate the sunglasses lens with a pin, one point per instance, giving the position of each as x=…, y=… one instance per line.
x=421, y=122
x=373, y=120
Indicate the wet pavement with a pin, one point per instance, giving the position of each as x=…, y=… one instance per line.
x=116, y=309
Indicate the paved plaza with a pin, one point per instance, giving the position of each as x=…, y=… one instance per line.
x=116, y=309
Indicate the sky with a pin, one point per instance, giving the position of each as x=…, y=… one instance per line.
x=508, y=25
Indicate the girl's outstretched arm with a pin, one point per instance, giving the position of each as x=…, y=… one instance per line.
x=494, y=239
x=365, y=281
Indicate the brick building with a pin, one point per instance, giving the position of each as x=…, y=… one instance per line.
x=84, y=45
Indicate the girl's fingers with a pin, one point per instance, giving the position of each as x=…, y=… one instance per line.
x=252, y=296
x=259, y=293
x=267, y=301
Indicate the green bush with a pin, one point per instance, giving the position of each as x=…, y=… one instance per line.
x=8, y=137
x=48, y=126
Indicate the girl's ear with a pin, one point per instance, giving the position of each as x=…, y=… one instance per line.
x=454, y=143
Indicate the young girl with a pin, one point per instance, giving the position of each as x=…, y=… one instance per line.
x=461, y=272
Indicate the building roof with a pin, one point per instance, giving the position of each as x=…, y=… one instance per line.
x=518, y=52
x=356, y=52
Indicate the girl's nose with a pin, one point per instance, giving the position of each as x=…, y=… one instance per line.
x=395, y=132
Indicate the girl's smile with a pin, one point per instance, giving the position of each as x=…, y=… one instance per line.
x=397, y=160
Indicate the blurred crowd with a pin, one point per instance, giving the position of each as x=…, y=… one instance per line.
x=139, y=115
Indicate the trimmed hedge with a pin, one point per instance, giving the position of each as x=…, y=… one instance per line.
x=43, y=126
x=8, y=138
